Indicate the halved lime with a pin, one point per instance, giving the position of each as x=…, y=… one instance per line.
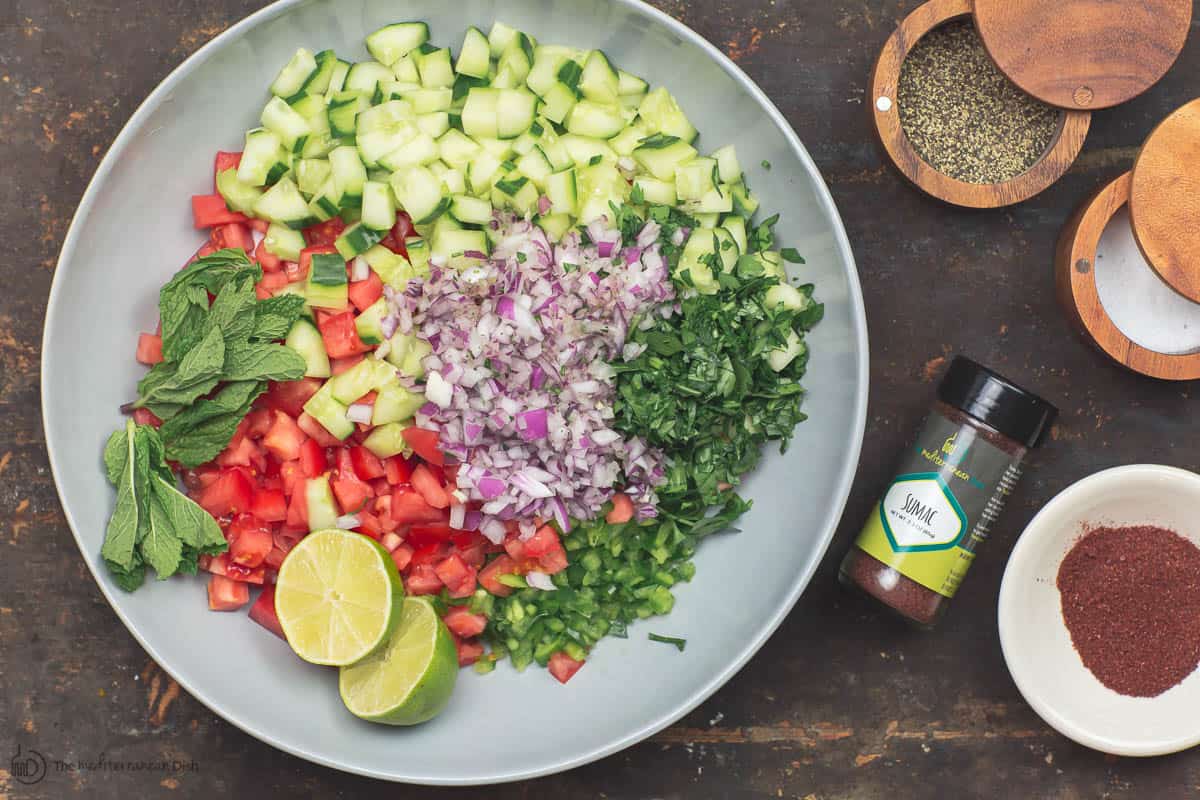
x=410, y=680
x=338, y=597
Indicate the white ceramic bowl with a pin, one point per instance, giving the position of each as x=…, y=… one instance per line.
x=1036, y=644
x=133, y=229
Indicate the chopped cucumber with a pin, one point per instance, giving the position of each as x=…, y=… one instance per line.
x=288, y=124
x=295, y=74
x=238, y=196
x=264, y=159
x=387, y=440
x=393, y=42
x=365, y=376
x=349, y=176
x=318, y=498
x=306, y=340
x=378, y=210
x=327, y=287
x=369, y=323
x=284, y=204
x=356, y=240
x=284, y=242
x=471, y=209
x=329, y=412
x=394, y=403
x=474, y=58
x=599, y=81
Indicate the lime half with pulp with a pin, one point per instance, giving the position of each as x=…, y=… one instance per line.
x=410, y=679
x=338, y=597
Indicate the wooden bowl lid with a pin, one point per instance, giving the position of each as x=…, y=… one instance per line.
x=1084, y=54
x=1079, y=295
x=1164, y=200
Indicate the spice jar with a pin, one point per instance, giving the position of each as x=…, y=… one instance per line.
x=985, y=103
x=922, y=535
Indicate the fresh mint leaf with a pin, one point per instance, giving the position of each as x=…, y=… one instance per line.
x=658, y=141
x=261, y=361
x=199, y=433
x=792, y=255
x=275, y=316
x=181, y=383
x=194, y=526
x=161, y=547
x=233, y=310
x=183, y=303
x=121, y=536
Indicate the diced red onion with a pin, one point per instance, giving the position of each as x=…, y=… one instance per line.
x=605, y=249
x=543, y=205
x=348, y=522
x=532, y=424
x=540, y=580
x=475, y=254
x=360, y=270
x=360, y=412
x=458, y=515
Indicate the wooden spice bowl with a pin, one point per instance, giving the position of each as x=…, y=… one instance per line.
x=1064, y=147
x=1075, y=279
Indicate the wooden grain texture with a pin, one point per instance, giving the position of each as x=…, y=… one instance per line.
x=1164, y=202
x=1075, y=274
x=1087, y=54
x=885, y=111
x=842, y=702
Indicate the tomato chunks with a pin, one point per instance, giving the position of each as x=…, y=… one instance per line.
x=149, y=349
x=225, y=594
x=284, y=438
x=622, y=510
x=463, y=624
x=563, y=667
x=425, y=444
x=263, y=612
x=340, y=335
x=430, y=488
x=209, y=210
x=230, y=493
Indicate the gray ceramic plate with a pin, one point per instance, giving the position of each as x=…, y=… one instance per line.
x=133, y=229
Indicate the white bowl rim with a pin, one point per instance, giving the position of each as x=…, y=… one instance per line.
x=836, y=508
x=1114, y=745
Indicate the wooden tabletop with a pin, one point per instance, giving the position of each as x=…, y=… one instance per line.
x=842, y=702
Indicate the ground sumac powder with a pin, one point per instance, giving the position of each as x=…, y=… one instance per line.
x=1131, y=602
x=920, y=538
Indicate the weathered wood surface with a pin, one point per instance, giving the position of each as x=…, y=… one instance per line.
x=842, y=702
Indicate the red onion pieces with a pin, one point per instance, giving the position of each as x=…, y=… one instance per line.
x=523, y=387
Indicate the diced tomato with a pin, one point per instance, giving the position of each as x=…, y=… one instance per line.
x=312, y=458
x=291, y=474
x=209, y=210
x=221, y=564
x=554, y=561
x=270, y=285
x=149, y=349
x=351, y=493
x=463, y=623
x=474, y=554
x=366, y=464
x=543, y=541
x=489, y=575
x=249, y=540
x=226, y=595
x=293, y=271
x=409, y=507
x=284, y=439
x=430, y=487
x=365, y=292
x=431, y=553
x=297, y=514
x=396, y=470
x=425, y=444
x=269, y=505
x=260, y=225
x=341, y=336
x=562, y=666
x=422, y=579
x=263, y=612
x=258, y=422
x=223, y=162
x=266, y=259
x=402, y=555
x=242, y=452
x=515, y=548
x=391, y=541
x=368, y=525
x=233, y=234
x=622, y=510
x=144, y=416
x=317, y=431
x=424, y=535
x=324, y=234
x=290, y=396
x=339, y=365
x=468, y=651
x=396, y=237
x=230, y=493
x=274, y=559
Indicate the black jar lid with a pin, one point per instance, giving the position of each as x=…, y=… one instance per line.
x=996, y=401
